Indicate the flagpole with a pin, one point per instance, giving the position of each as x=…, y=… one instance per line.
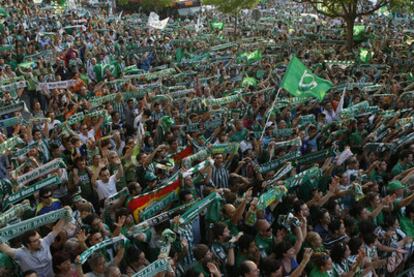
x=270, y=110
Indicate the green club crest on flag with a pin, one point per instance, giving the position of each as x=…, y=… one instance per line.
x=365, y=55
x=217, y=26
x=299, y=81
x=250, y=58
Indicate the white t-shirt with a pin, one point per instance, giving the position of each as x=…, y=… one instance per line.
x=84, y=139
x=106, y=189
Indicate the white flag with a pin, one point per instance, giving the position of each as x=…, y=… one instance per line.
x=155, y=22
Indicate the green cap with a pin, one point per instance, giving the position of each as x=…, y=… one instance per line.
x=395, y=185
x=149, y=176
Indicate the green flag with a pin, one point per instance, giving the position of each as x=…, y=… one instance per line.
x=365, y=55
x=299, y=81
x=359, y=32
x=217, y=26
x=250, y=58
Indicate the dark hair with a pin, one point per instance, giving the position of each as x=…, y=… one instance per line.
x=404, y=154
x=183, y=193
x=44, y=191
x=354, y=245
x=132, y=253
x=321, y=214
x=282, y=247
x=297, y=206
x=409, y=209
x=89, y=219
x=26, y=237
x=244, y=242
x=335, y=225
x=269, y=265
x=218, y=229
x=121, y=212
x=200, y=251
x=59, y=258
x=338, y=252
x=389, y=220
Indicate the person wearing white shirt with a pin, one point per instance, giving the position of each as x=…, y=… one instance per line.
x=106, y=184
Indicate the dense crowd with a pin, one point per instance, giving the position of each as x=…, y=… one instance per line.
x=134, y=149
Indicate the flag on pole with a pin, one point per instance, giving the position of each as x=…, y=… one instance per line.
x=250, y=58
x=299, y=81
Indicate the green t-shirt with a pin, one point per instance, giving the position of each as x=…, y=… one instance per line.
x=239, y=135
x=240, y=258
x=316, y=273
x=407, y=225
x=264, y=244
x=397, y=169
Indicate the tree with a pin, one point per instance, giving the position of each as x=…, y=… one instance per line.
x=349, y=11
x=232, y=7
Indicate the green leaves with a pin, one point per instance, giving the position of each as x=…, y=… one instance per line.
x=232, y=6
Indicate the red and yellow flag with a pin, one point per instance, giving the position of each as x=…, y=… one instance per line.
x=137, y=204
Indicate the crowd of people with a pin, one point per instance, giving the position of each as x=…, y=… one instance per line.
x=131, y=148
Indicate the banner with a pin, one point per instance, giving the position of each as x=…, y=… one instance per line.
x=140, y=202
x=13, y=86
x=151, y=222
x=40, y=171
x=28, y=191
x=20, y=228
x=158, y=206
x=301, y=82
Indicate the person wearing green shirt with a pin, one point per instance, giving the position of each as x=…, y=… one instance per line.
x=264, y=238
x=407, y=220
x=404, y=162
x=323, y=266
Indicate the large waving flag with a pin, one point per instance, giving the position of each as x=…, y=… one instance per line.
x=140, y=202
x=299, y=81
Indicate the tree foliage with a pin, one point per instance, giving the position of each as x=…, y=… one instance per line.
x=155, y=5
x=350, y=10
x=232, y=6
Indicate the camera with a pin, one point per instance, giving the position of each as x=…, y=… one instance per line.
x=288, y=220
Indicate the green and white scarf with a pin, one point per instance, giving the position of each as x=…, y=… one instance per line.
x=20, y=228
x=272, y=165
x=270, y=196
x=103, y=244
x=298, y=179
x=13, y=213
x=197, y=168
x=40, y=171
x=28, y=191
x=56, y=85
x=16, y=107
x=10, y=144
x=154, y=268
x=197, y=207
